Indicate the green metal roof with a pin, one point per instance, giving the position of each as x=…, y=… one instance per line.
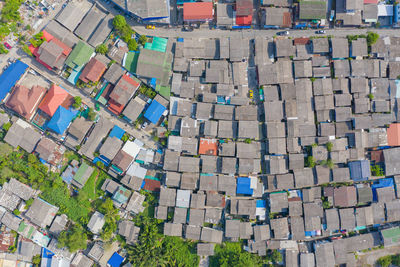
x=122, y=195
x=80, y=55
x=392, y=233
x=131, y=60
x=80, y=174
x=310, y=10
x=165, y=91
x=158, y=44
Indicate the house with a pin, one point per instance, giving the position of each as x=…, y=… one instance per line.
x=147, y=10
x=21, y=134
x=41, y=213
x=359, y=170
x=211, y=235
x=100, y=131
x=82, y=175
x=10, y=76
x=114, y=73
x=11, y=221
x=313, y=10
x=61, y=120
x=59, y=224
x=244, y=12
x=173, y=229
x=49, y=151
x=93, y=71
x=280, y=228
x=52, y=53
x=55, y=97
x=90, y=22
x=81, y=260
x=167, y=197
x=347, y=219
x=77, y=131
x=128, y=230
x=61, y=33
x=345, y=196
x=278, y=202
x=154, y=111
x=72, y=15
x=96, y=251
x=390, y=236
x=224, y=15
x=122, y=92
x=340, y=48
x=96, y=222
x=110, y=148
x=155, y=64
x=205, y=249
x=324, y=254
x=79, y=56
x=198, y=12
x=281, y=17
x=393, y=134
x=102, y=31
x=134, y=108
x=391, y=161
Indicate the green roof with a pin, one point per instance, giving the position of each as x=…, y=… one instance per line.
x=80, y=55
x=83, y=173
x=165, y=91
x=312, y=10
x=122, y=195
x=158, y=44
x=392, y=233
x=131, y=60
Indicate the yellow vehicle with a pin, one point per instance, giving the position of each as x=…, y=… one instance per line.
x=251, y=94
x=150, y=27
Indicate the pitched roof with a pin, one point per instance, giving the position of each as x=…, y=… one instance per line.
x=79, y=56
x=10, y=76
x=41, y=213
x=24, y=101
x=92, y=71
x=61, y=120
x=122, y=92
x=53, y=99
x=198, y=11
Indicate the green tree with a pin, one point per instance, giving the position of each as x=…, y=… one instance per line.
x=16, y=212
x=91, y=114
x=142, y=39
x=3, y=49
x=276, y=256
x=74, y=239
x=329, y=146
x=231, y=254
x=102, y=49
x=119, y=22
x=372, y=38
x=77, y=102
x=36, y=260
x=247, y=141
x=132, y=45
x=396, y=260
x=310, y=162
x=6, y=126
x=385, y=261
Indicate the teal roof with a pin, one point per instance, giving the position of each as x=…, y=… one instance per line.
x=158, y=44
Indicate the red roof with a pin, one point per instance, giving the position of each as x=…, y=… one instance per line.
x=244, y=7
x=244, y=20
x=152, y=185
x=393, y=134
x=198, y=11
x=114, y=107
x=121, y=93
x=371, y=1
x=208, y=146
x=24, y=101
x=301, y=41
x=93, y=71
x=53, y=99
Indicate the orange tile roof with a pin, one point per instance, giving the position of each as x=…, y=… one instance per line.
x=53, y=99
x=208, y=146
x=301, y=41
x=393, y=134
x=198, y=11
x=92, y=71
x=24, y=101
x=244, y=20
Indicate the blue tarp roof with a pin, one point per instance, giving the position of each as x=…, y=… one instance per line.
x=61, y=119
x=154, y=111
x=360, y=170
x=115, y=260
x=261, y=203
x=117, y=132
x=243, y=186
x=10, y=77
x=385, y=182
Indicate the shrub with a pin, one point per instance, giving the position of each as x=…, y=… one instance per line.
x=142, y=39
x=385, y=261
x=77, y=102
x=310, y=162
x=247, y=141
x=102, y=49
x=372, y=38
x=7, y=126
x=329, y=146
x=132, y=45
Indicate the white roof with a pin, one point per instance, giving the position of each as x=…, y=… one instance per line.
x=136, y=170
x=182, y=198
x=23, y=123
x=385, y=10
x=132, y=148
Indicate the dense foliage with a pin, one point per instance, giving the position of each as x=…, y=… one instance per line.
x=386, y=261
x=124, y=31
x=102, y=49
x=77, y=102
x=74, y=239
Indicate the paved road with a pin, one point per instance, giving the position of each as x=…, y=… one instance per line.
x=105, y=113
x=250, y=33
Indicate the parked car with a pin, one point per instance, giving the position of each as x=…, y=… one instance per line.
x=187, y=29
x=283, y=33
x=7, y=45
x=251, y=94
x=320, y=32
x=151, y=27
